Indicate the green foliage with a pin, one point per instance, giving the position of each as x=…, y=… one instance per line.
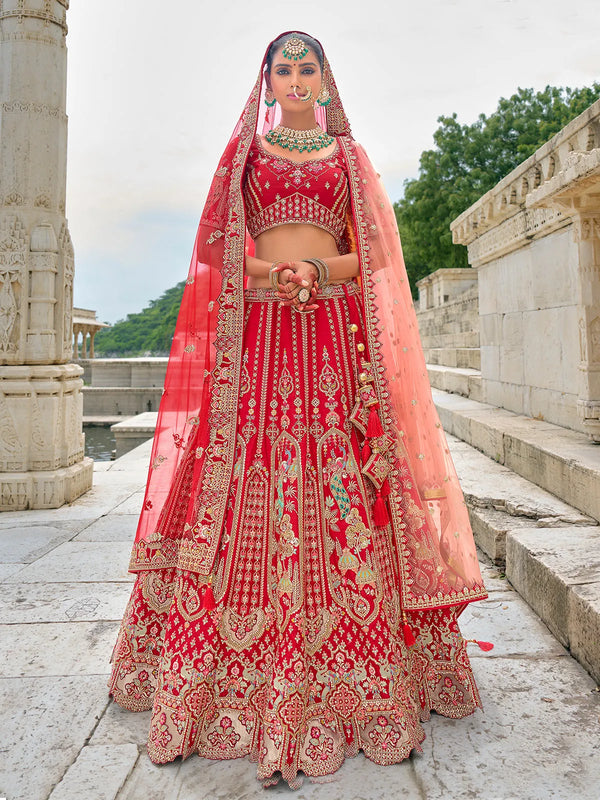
x=467, y=161
x=148, y=333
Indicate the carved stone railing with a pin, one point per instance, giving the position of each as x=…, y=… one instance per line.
x=502, y=220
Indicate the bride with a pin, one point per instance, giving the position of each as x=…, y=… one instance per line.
x=304, y=551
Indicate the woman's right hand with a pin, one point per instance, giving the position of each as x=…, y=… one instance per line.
x=294, y=276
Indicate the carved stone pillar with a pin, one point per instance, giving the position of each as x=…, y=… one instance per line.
x=42, y=463
x=587, y=236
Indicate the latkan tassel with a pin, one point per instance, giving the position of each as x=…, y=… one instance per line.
x=409, y=636
x=481, y=645
x=380, y=514
x=385, y=488
x=365, y=452
x=374, y=425
x=208, y=601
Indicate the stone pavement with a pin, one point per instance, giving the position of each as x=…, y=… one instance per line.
x=65, y=585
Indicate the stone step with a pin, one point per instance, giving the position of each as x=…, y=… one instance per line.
x=564, y=462
x=452, y=339
x=446, y=320
x=466, y=382
x=463, y=357
x=558, y=573
x=549, y=551
x=499, y=500
x=132, y=432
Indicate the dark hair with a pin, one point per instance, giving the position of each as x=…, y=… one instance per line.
x=281, y=40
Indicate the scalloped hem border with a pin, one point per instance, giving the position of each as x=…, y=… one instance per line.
x=294, y=776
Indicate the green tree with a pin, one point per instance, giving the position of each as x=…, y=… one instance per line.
x=147, y=333
x=467, y=161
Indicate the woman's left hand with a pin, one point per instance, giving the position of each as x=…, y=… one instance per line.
x=297, y=275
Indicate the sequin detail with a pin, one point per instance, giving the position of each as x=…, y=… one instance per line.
x=279, y=191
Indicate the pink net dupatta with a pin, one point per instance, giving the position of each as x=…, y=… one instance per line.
x=435, y=542
x=193, y=448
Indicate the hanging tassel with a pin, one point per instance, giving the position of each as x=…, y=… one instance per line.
x=208, y=601
x=380, y=515
x=385, y=488
x=374, y=428
x=365, y=453
x=409, y=636
x=482, y=645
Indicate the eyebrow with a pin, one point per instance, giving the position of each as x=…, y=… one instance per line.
x=306, y=64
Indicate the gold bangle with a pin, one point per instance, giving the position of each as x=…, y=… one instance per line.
x=322, y=270
x=273, y=276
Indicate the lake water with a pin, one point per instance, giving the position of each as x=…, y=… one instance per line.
x=99, y=442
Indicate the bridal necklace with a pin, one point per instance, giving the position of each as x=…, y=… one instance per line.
x=291, y=139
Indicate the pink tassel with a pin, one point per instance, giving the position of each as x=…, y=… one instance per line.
x=374, y=428
x=409, y=636
x=380, y=515
x=208, y=601
x=481, y=645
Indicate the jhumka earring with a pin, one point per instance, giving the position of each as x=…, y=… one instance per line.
x=324, y=98
x=269, y=98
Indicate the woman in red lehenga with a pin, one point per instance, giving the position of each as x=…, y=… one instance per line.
x=304, y=549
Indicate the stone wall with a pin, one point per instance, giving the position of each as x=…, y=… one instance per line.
x=124, y=372
x=453, y=324
x=529, y=330
x=534, y=240
x=448, y=318
x=122, y=386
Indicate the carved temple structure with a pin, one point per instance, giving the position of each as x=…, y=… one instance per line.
x=42, y=463
x=534, y=240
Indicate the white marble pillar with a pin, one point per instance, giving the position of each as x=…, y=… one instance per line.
x=42, y=463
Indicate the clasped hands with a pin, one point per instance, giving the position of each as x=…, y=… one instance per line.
x=293, y=276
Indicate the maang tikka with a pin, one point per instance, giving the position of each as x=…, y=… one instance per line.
x=294, y=49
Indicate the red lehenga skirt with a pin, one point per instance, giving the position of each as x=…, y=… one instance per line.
x=302, y=662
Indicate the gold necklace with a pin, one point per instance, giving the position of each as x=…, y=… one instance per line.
x=291, y=139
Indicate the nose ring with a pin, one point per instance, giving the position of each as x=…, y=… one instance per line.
x=306, y=97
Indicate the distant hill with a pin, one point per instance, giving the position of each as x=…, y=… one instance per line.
x=148, y=333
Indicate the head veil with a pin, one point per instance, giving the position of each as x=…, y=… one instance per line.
x=194, y=444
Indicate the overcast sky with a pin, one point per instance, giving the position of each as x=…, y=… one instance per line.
x=155, y=88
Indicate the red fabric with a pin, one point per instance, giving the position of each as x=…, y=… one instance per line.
x=300, y=656
x=196, y=424
x=278, y=190
x=270, y=610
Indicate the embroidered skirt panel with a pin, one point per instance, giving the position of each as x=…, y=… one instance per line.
x=302, y=662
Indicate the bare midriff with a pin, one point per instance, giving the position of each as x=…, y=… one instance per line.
x=291, y=242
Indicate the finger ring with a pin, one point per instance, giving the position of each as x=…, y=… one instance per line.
x=304, y=295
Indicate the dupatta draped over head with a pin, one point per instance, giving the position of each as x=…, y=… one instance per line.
x=194, y=444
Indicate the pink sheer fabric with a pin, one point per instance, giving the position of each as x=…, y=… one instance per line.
x=194, y=444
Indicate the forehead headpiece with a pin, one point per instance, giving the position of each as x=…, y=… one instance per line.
x=294, y=49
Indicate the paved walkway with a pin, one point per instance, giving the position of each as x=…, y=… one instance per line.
x=64, y=587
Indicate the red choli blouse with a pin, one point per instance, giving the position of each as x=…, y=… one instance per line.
x=278, y=191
